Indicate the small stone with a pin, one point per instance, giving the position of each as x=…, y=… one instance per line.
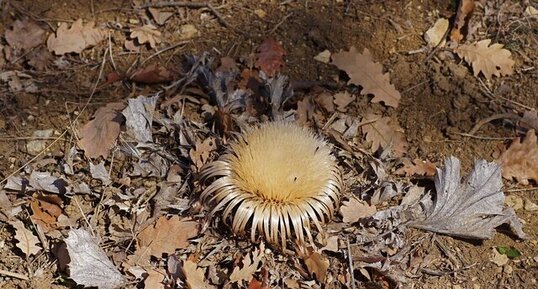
x=530, y=206
x=188, y=31
x=435, y=34
x=324, y=56
x=516, y=202
x=508, y=269
x=260, y=13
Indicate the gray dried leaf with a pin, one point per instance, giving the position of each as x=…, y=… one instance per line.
x=471, y=208
x=99, y=172
x=90, y=265
x=139, y=117
x=44, y=181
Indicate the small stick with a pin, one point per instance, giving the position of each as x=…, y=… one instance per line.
x=14, y=275
x=350, y=264
x=492, y=118
x=483, y=137
x=280, y=23
x=196, y=5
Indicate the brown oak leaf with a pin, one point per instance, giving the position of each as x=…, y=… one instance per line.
x=194, y=276
x=355, y=209
x=520, y=160
x=250, y=265
x=384, y=133
x=416, y=167
x=167, y=235
x=488, y=59
x=153, y=74
x=28, y=242
x=146, y=34
x=317, y=265
x=76, y=38
x=363, y=71
x=270, y=57
x=99, y=135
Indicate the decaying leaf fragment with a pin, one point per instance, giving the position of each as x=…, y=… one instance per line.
x=488, y=59
x=25, y=34
x=363, y=71
x=90, y=265
x=471, y=208
x=270, y=57
x=99, y=135
x=520, y=160
x=465, y=9
x=74, y=39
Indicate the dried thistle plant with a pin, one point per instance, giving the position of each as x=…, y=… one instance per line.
x=275, y=181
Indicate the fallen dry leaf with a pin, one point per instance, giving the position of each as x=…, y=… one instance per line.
x=520, y=160
x=317, y=265
x=139, y=117
x=363, y=71
x=159, y=16
x=98, y=136
x=270, y=57
x=153, y=74
x=488, y=59
x=146, y=34
x=76, y=38
x=167, y=235
x=46, y=211
x=384, y=133
x=89, y=264
x=250, y=265
x=194, y=276
x=27, y=242
x=416, y=167
x=467, y=208
x=25, y=35
x=465, y=9
x=155, y=279
x=355, y=209
x=202, y=151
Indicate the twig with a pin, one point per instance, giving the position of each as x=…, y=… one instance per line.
x=434, y=50
x=14, y=275
x=280, y=23
x=350, y=259
x=195, y=5
x=482, y=137
x=482, y=122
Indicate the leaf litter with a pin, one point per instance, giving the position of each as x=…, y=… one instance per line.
x=144, y=198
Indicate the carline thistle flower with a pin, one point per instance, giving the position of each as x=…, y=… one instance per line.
x=275, y=181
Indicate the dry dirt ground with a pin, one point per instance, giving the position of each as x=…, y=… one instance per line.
x=441, y=101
